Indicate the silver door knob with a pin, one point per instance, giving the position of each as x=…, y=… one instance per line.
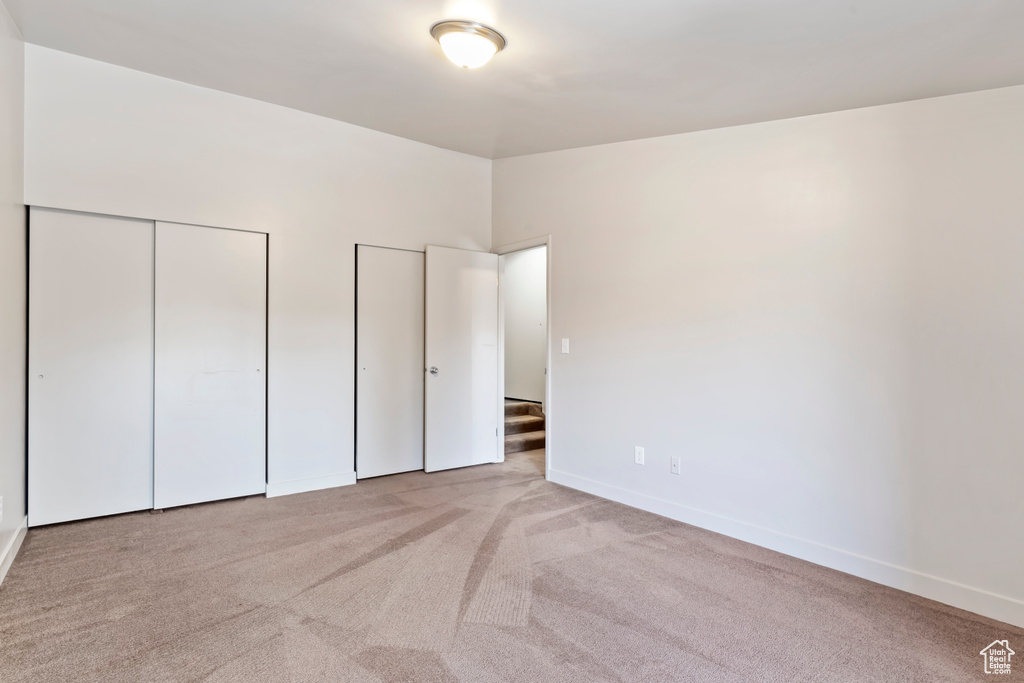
x=433, y=370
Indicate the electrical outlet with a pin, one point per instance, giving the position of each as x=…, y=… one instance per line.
x=638, y=455
x=676, y=465
x=565, y=346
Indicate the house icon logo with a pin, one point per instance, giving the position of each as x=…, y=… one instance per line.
x=997, y=657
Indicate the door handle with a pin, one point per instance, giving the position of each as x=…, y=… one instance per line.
x=433, y=370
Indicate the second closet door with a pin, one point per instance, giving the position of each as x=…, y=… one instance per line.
x=210, y=388
x=389, y=361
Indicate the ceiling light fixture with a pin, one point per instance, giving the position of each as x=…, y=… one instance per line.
x=467, y=43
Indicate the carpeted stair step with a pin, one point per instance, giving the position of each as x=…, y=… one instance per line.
x=524, y=426
x=524, y=441
x=523, y=408
x=518, y=424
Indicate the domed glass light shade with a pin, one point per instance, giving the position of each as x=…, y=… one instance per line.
x=467, y=43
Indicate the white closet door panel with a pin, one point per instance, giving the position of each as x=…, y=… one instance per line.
x=90, y=365
x=210, y=405
x=389, y=361
x=462, y=344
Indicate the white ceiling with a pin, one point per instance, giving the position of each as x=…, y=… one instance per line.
x=575, y=73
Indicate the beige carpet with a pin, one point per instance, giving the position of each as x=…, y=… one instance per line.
x=476, y=575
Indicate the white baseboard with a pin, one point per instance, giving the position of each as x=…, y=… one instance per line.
x=7, y=556
x=287, y=488
x=985, y=603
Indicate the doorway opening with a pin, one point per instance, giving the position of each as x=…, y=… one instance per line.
x=524, y=351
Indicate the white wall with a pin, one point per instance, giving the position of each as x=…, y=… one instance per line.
x=12, y=288
x=525, y=291
x=820, y=316
x=110, y=140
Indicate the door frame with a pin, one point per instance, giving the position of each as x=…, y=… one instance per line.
x=523, y=245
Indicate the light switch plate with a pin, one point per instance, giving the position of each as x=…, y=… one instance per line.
x=676, y=465
x=565, y=346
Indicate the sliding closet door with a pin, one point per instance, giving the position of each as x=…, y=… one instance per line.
x=210, y=405
x=90, y=366
x=389, y=361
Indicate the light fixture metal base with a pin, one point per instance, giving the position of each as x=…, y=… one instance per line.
x=462, y=26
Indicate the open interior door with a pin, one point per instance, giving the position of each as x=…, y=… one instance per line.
x=461, y=421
